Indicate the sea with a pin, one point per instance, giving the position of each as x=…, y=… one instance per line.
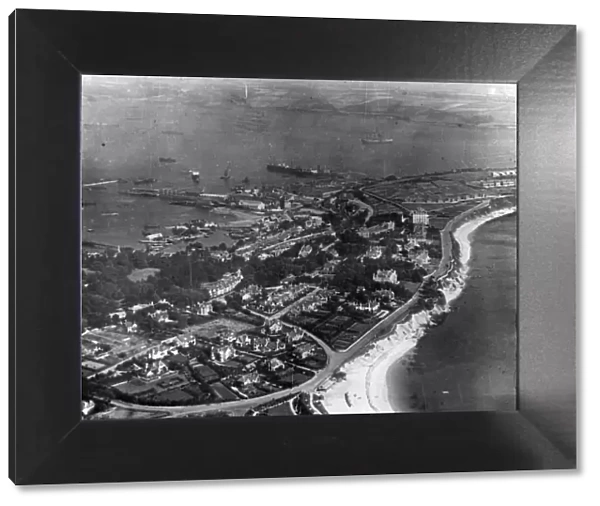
x=468, y=362
x=163, y=128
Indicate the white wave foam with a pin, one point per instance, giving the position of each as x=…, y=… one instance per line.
x=364, y=389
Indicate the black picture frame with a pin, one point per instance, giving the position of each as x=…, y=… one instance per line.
x=49, y=50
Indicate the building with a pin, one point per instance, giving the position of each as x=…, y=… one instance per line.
x=251, y=292
x=294, y=335
x=87, y=407
x=275, y=364
x=499, y=183
x=186, y=340
x=222, y=353
x=314, y=221
x=371, y=306
x=253, y=205
x=204, y=308
x=260, y=343
x=385, y=294
x=272, y=328
x=420, y=217
x=386, y=276
x=249, y=378
x=225, y=285
x=388, y=226
x=375, y=252
x=504, y=173
x=243, y=340
x=421, y=258
x=304, y=350
x=305, y=250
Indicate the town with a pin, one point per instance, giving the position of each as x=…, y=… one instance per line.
x=312, y=267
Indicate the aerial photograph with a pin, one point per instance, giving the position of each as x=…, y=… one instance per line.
x=265, y=247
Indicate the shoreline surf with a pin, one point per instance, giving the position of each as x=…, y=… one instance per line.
x=365, y=387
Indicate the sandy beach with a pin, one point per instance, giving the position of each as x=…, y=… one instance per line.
x=365, y=387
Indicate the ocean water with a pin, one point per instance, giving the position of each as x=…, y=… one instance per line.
x=468, y=363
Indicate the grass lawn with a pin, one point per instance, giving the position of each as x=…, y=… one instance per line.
x=142, y=274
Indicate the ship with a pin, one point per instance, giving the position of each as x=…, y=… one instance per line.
x=284, y=168
x=227, y=175
x=195, y=176
x=376, y=138
x=166, y=159
x=145, y=180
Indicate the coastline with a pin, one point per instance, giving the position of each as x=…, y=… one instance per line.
x=365, y=388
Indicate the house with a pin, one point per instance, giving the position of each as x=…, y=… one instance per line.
x=87, y=407
x=227, y=337
x=305, y=250
x=275, y=364
x=313, y=221
x=156, y=369
x=243, y=340
x=222, y=256
x=158, y=353
x=131, y=327
x=185, y=341
x=421, y=258
x=305, y=350
x=386, y=276
x=253, y=205
x=385, y=294
x=272, y=328
x=375, y=252
x=377, y=229
x=260, y=343
x=371, y=306
x=250, y=292
x=420, y=217
x=204, y=309
x=249, y=378
x=225, y=285
x=294, y=335
x=119, y=314
x=222, y=353
x=504, y=173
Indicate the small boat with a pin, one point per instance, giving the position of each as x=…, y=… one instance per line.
x=195, y=176
x=110, y=214
x=90, y=229
x=227, y=175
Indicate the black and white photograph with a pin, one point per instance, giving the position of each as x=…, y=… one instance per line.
x=276, y=247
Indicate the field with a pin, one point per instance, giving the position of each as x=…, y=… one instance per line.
x=142, y=274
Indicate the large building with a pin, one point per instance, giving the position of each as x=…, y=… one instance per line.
x=504, y=173
x=499, y=183
x=225, y=285
x=420, y=217
x=386, y=276
x=222, y=353
x=388, y=226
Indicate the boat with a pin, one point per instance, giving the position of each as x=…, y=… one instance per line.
x=90, y=229
x=110, y=214
x=145, y=180
x=87, y=203
x=376, y=138
x=195, y=176
x=227, y=175
x=283, y=168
